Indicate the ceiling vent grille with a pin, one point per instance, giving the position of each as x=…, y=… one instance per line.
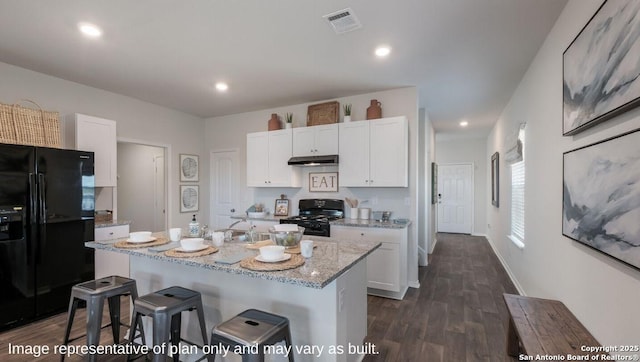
x=343, y=21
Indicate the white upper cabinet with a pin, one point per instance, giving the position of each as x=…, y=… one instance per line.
x=315, y=140
x=374, y=153
x=267, y=157
x=98, y=135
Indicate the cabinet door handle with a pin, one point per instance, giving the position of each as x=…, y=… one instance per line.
x=111, y=233
x=233, y=210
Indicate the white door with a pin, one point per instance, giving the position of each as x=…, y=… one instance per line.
x=455, y=198
x=224, y=188
x=159, y=210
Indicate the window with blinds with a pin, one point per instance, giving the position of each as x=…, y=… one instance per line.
x=517, y=195
x=517, y=200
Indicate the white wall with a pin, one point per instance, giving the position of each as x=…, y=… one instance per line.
x=602, y=292
x=138, y=120
x=229, y=132
x=470, y=151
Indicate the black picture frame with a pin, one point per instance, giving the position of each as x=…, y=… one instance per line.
x=598, y=84
x=601, y=196
x=495, y=179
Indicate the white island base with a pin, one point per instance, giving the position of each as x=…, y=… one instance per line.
x=326, y=323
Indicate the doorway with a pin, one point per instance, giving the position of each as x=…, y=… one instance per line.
x=455, y=198
x=224, y=187
x=142, y=186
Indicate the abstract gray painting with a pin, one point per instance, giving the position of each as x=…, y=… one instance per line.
x=601, y=197
x=601, y=67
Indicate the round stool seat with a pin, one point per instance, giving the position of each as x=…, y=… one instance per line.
x=250, y=328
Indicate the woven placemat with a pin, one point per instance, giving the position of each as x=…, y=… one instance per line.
x=181, y=254
x=252, y=264
x=127, y=245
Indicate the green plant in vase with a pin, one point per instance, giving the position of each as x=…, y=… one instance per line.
x=288, y=118
x=347, y=112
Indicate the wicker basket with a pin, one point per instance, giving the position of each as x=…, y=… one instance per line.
x=27, y=126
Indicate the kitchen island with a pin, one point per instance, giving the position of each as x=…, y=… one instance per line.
x=324, y=299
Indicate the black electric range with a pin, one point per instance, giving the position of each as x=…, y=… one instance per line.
x=315, y=215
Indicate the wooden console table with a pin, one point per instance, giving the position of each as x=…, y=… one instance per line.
x=546, y=327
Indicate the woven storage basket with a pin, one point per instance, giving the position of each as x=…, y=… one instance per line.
x=27, y=126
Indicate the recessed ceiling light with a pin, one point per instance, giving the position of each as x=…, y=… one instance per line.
x=464, y=124
x=221, y=86
x=383, y=51
x=90, y=30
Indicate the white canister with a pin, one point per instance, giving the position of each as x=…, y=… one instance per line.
x=354, y=213
x=364, y=213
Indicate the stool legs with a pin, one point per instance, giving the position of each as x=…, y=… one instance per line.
x=114, y=313
x=95, y=308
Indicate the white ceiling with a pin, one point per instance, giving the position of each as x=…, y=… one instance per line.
x=465, y=56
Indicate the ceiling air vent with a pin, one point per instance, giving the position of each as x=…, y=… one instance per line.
x=343, y=21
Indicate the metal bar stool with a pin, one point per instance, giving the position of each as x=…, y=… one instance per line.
x=250, y=328
x=94, y=293
x=165, y=307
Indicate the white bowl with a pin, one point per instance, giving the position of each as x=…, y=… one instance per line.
x=140, y=236
x=272, y=252
x=256, y=215
x=191, y=243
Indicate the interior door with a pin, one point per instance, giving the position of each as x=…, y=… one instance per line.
x=455, y=198
x=224, y=187
x=159, y=207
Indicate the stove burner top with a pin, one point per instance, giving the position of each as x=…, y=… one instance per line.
x=315, y=215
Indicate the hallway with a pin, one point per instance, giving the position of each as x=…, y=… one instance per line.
x=458, y=313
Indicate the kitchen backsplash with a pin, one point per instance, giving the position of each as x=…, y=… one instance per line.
x=377, y=198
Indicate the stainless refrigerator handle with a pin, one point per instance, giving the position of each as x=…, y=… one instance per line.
x=42, y=198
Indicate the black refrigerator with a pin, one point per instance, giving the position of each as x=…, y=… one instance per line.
x=46, y=214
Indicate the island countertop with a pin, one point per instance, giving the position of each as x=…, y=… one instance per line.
x=331, y=258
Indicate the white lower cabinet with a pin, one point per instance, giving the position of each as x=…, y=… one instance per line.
x=107, y=262
x=387, y=265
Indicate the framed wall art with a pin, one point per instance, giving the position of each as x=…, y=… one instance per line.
x=189, y=168
x=282, y=207
x=189, y=195
x=495, y=179
x=323, y=182
x=600, y=67
x=601, y=196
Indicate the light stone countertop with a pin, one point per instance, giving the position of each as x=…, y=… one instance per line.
x=331, y=258
x=106, y=224
x=370, y=223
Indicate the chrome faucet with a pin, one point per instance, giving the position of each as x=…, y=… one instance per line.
x=244, y=219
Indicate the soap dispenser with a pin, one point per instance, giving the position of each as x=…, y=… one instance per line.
x=194, y=228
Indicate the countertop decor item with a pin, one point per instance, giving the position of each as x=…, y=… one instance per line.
x=124, y=244
x=375, y=110
x=274, y=122
x=251, y=263
x=323, y=113
x=282, y=206
x=177, y=253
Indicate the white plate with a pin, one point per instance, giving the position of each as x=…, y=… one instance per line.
x=201, y=247
x=148, y=240
x=283, y=258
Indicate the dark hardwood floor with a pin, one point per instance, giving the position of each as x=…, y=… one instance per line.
x=457, y=314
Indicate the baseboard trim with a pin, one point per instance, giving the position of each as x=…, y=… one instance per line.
x=485, y=235
x=513, y=278
x=414, y=284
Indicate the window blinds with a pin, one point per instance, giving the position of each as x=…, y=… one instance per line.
x=517, y=200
